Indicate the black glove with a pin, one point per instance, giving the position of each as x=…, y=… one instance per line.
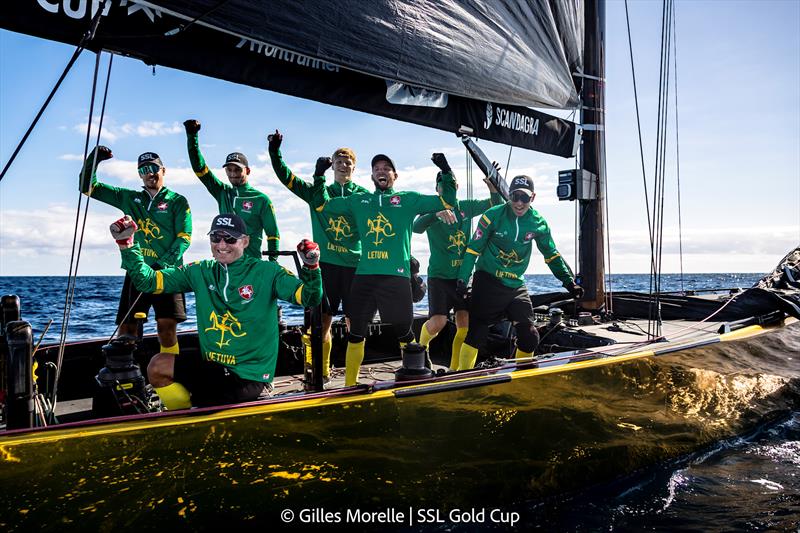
x=575, y=290
x=274, y=140
x=461, y=288
x=323, y=164
x=441, y=161
x=192, y=126
x=156, y=266
x=103, y=153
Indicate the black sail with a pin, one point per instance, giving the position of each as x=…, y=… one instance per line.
x=481, y=64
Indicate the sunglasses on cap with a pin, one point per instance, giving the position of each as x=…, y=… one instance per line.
x=150, y=168
x=519, y=196
x=217, y=237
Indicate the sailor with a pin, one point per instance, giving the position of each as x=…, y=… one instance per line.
x=383, y=219
x=239, y=196
x=165, y=223
x=502, y=245
x=236, y=299
x=447, y=241
x=340, y=248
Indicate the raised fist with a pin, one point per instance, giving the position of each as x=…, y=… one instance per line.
x=192, y=126
x=103, y=153
x=441, y=161
x=309, y=253
x=122, y=230
x=274, y=140
x=323, y=164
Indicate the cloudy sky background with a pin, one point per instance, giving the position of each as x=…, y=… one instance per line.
x=738, y=75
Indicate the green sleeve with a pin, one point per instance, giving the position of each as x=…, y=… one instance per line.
x=201, y=170
x=447, y=200
x=145, y=279
x=271, y=229
x=306, y=291
x=322, y=201
x=183, y=236
x=299, y=187
x=552, y=258
x=473, y=208
x=495, y=199
x=88, y=185
x=476, y=246
x=423, y=222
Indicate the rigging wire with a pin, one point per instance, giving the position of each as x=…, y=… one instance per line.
x=88, y=36
x=677, y=141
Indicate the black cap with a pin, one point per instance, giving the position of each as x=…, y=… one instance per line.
x=149, y=157
x=521, y=183
x=383, y=157
x=231, y=224
x=236, y=158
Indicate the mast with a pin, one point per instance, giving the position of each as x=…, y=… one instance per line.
x=591, y=244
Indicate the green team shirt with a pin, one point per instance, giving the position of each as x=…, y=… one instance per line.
x=252, y=205
x=237, y=315
x=384, y=220
x=502, y=245
x=337, y=236
x=447, y=242
x=165, y=220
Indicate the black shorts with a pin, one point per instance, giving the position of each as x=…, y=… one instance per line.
x=442, y=297
x=211, y=383
x=165, y=305
x=492, y=301
x=391, y=295
x=336, y=282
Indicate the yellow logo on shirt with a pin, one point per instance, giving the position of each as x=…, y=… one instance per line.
x=150, y=230
x=380, y=225
x=339, y=227
x=457, y=241
x=508, y=259
x=226, y=323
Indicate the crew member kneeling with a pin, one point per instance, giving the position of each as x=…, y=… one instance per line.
x=236, y=301
x=502, y=245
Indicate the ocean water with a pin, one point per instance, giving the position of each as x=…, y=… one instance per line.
x=750, y=483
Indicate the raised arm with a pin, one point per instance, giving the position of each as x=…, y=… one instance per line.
x=306, y=291
x=447, y=198
x=322, y=201
x=300, y=188
x=89, y=185
x=144, y=278
x=201, y=170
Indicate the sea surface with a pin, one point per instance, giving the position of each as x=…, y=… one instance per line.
x=750, y=483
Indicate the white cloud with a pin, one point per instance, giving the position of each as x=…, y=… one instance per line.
x=112, y=131
x=71, y=157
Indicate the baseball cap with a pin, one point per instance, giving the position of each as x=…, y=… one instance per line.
x=236, y=158
x=521, y=183
x=231, y=224
x=383, y=157
x=149, y=157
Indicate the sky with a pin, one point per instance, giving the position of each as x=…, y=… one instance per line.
x=738, y=67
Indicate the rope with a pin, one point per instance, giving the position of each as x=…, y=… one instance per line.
x=677, y=143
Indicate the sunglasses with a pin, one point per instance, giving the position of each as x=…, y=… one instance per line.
x=149, y=169
x=519, y=196
x=216, y=237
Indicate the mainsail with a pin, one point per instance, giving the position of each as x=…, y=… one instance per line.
x=479, y=64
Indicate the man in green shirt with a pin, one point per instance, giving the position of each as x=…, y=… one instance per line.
x=337, y=236
x=239, y=196
x=502, y=245
x=383, y=219
x=166, y=232
x=237, y=325
x=447, y=241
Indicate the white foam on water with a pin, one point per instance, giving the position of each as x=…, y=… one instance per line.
x=676, y=480
x=771, y=485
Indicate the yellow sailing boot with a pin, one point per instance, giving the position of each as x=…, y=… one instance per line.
x=467, y=357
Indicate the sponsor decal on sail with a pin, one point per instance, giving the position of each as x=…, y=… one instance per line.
x=511, y=120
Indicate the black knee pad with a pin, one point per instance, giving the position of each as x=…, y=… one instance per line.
x=527, y=336
x=355, y=339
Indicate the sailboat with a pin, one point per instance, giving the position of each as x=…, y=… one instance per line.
x=701, y=367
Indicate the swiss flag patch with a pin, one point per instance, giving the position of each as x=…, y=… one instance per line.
x=478, y=234
x=162, y=206
x=246, y=292
x=394, y=200
x=247, y=205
